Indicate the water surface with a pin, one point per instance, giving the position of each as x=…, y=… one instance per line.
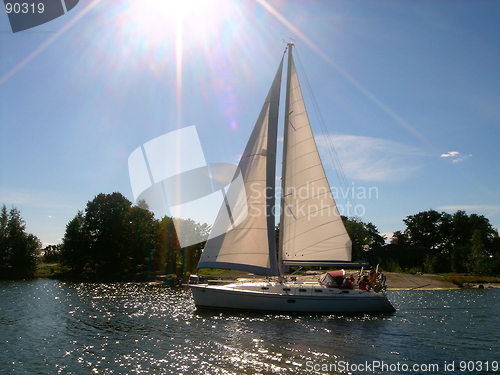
x=53, y=327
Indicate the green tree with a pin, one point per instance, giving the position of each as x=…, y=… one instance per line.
x=4, y=253
x=479, y=261
x=473, y=240
x=51, y=253
x=75, y=246
x=169, y=248
x=197, y=233
x=376, y=238
x=398, y=237
x=141, y=245
x=430, y=229
x=461, y=236
x=19, y=250
x=495, y=252
x=458, y=242
x=110, y=239
x=113, y=239
x=364, y=236
x=459, y=257
x=106, y=228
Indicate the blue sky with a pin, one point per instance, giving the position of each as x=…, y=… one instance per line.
x=409, y=91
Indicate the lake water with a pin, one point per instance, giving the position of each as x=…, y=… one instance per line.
x=54, y=327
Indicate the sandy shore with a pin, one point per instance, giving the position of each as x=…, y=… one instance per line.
x=407, y=281
x=401, y=281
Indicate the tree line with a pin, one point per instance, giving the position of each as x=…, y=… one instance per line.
x=114, y=239
x=440, y=242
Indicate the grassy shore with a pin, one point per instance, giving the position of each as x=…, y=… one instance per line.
x=469, y=280
x=47, y=270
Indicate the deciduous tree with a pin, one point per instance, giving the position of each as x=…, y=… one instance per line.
x=364, y=236
x=18, y=249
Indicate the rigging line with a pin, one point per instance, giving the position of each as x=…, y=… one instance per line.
x=339, y=171
x=329, y=143
x=330, y=147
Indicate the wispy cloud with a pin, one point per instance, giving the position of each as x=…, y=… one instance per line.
x=373, y=159
x=34, y=199
x=455, y=156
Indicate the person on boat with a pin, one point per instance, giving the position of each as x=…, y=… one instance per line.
x=372, y=277
x=354, y=282
x=347, y=284
x=363, y=284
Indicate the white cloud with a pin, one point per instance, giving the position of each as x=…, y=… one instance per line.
x=373, y=159
x=455, y=156
x=450, y=154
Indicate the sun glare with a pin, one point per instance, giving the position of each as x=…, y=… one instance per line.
x=172, y=37
x=160, y=19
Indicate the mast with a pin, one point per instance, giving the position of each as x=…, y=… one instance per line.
x=281, y=267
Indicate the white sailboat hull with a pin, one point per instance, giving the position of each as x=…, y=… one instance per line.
x=289, y=297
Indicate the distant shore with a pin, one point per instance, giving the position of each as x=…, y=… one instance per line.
x=395, y=280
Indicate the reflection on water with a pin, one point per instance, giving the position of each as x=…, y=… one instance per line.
x=51, y=327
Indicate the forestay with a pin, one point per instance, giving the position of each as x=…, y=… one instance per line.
x=313, y=230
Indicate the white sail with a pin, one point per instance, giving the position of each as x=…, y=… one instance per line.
x=250, y=245
x=312, y=228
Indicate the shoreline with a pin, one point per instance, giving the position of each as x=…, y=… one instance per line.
x=394, y=280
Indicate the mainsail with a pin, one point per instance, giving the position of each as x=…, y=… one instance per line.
x=250, y=245
x=311, y=227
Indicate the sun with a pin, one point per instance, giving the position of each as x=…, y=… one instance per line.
x=163, y=19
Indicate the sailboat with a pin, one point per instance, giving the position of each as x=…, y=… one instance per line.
x=311, y=230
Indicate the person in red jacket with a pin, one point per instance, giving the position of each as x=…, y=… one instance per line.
x=363, y=283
